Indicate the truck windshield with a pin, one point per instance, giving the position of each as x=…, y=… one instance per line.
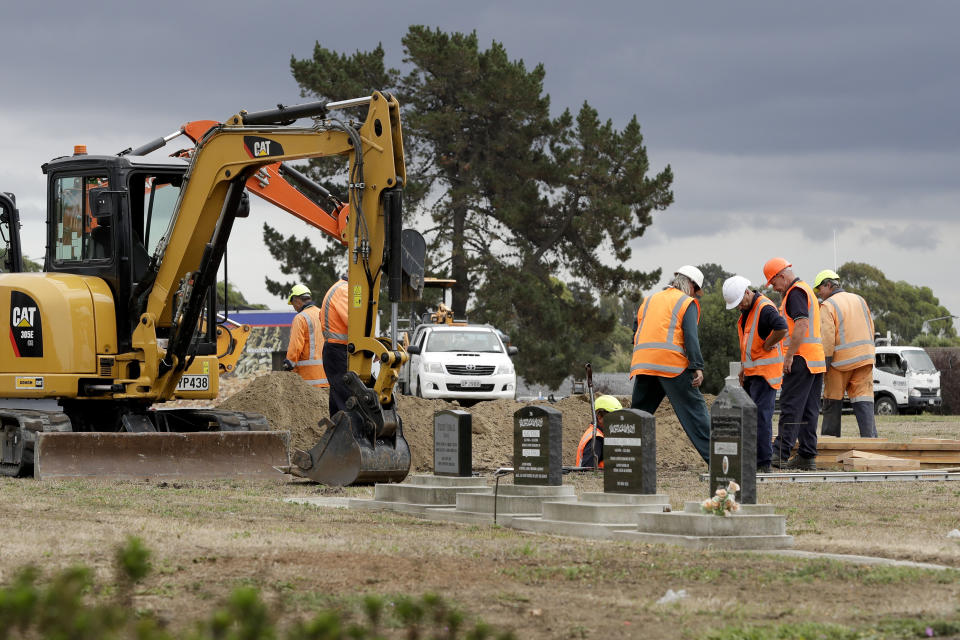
x=476, y=341
x=919, y=361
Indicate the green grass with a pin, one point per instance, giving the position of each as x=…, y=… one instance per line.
x=895, y=629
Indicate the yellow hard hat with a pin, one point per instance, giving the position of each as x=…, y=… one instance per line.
x=826, y=274
x=297, y=290
x=607, y=403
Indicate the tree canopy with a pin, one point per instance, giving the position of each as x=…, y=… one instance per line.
x=532, y=215
x=898, y=307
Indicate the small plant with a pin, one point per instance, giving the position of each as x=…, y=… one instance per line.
x=723, y=502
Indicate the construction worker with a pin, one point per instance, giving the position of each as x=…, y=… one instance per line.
x=803, y=367
x=305, y=349
x=846, y=325
x=601, y=406
x=761, y=329
x=333, y=321
x=667, y=359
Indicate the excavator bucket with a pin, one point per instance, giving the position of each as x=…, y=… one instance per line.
x=155, y=455
x=350, y=452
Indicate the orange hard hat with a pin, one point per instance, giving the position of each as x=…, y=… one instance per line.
x=773, y=267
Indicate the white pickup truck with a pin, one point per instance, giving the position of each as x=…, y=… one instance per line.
x=461, y=362
x=904, y=379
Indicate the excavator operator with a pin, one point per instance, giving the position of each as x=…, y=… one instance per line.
x=305, y=350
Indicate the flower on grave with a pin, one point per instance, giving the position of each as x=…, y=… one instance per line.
x=723, y=502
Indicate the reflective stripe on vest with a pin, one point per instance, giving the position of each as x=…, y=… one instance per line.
x=658, y=343
x=310, y=368
x=811, y=346
x=584, y=439
x=756, y=360
x=330, y=333
x=311, y=334
x=853, y=323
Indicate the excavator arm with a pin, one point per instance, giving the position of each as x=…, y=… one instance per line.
x=364, y=442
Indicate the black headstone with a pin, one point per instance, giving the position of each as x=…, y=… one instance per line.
x=452, y=443
x=537, y=446
x=733, y=443
x=629, y=452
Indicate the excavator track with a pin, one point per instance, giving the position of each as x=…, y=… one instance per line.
x=18, y=437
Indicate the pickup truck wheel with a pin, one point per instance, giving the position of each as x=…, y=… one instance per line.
x=885, y=406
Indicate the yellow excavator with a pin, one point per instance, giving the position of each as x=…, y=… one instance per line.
x=123, y=316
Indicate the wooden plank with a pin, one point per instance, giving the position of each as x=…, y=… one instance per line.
x=889, y=446
x=892, y=464
x=856, y=454
x=935, y=440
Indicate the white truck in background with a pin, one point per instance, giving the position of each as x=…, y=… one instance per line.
x=465, y=362
x=904, y=380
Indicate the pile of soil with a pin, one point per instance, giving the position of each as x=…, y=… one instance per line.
x=291, y=404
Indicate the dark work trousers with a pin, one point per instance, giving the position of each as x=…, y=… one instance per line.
x=687, y=401
x=799, y=411
x=335, y=365
x=765, y=397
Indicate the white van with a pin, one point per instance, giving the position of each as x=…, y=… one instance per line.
x=904, y=379
x=463, y=362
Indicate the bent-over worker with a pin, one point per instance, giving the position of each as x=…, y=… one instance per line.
x=601, y=406
x=760, y=328
x=305, y=349
x=846, y=325
x=667, y=359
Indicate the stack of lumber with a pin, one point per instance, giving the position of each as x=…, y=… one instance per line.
x=880, y=454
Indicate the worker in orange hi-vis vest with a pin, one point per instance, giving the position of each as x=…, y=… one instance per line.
x=846, y=325
x=667, y=359
x=761, y=328
x=803, y=367
x=305, y=349
x=333, y=321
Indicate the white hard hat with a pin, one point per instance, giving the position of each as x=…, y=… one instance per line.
x=733, y=289
x=691, y=272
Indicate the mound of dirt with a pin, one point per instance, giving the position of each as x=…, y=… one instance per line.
x=287, y=402
x=291, y=404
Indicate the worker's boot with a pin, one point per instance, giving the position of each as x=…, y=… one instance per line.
x=801, y=463
x=832, y=410
x=865, y=419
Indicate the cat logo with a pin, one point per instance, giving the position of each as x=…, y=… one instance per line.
x=257, y=147
x=22, y=316
x=29, y=382
x=26, y=326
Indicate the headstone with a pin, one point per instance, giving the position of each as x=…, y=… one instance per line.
x=537, y=446
x=453, y=443
x=733, y=443
x=629, y=452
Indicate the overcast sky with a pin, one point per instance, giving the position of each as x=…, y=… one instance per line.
x=821, y=131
